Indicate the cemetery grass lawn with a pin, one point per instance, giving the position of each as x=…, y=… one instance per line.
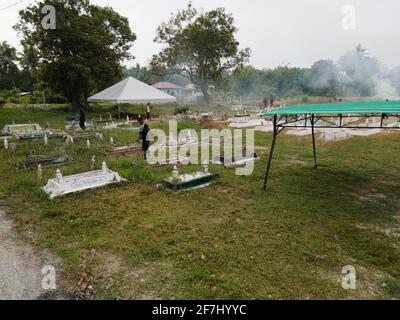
x=228, y=241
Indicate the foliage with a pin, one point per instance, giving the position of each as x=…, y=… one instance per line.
x=85, y=51
x=141, y=73
x=181, y=110
x=200, y=46
x=8, y=66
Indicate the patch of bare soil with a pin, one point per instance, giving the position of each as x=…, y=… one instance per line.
x=21, y=267
x=112, y=273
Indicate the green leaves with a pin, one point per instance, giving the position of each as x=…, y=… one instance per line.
x=84, y=54
x=200, y=46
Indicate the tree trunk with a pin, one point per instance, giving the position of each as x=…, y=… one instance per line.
x=204, y=90
x=76, y=102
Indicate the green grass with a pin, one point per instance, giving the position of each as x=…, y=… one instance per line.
x=228, y=241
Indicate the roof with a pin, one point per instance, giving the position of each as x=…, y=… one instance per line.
x=388, y=107
x=131, y=90
x=165, y=85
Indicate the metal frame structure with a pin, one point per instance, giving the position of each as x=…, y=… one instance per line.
x=313, y=121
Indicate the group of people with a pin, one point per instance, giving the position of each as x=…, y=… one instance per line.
x=143, y=129
x=268, y=101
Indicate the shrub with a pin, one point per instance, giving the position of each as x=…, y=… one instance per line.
x=181, y=110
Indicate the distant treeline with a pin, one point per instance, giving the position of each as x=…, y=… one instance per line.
x=355, y=74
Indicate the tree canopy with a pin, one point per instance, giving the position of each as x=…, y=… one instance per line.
x=84, y=53
x=8, y=66
x=201, y=46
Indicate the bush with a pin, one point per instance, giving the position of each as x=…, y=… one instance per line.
x=181, y=110
x=2, y=102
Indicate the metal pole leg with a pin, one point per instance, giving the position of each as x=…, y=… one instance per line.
x=313, y=142
x=270, y=154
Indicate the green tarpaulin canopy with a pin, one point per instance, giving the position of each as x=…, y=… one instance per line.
x=314, y=116
x=388, y=107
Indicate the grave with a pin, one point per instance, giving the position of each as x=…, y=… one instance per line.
x=33, y=162
x=185, y=141
x=17, y=129
x=233, y=163
x=34, y=135
x=110, y=126
x=337, y=134
x=124, y=150
x=181, y=161
x=74, y=126
x=60, y=185
x=265, y=127
x=189, y=181
x=243, y=123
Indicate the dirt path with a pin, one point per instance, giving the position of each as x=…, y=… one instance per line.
x=20, y=265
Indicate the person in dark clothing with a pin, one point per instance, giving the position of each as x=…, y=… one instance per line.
x=265, y=102
x=148, y=110
x=143, y=131
x=82, y=119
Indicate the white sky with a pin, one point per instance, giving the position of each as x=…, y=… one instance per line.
x=295, y=32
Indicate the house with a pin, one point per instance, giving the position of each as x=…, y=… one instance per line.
x=169, y=88
x=185, y=95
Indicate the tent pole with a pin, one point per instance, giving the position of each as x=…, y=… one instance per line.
x=119, y=111
x=313, y=141
x=271, y=152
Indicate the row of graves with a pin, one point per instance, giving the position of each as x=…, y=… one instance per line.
x=62, y=185
x=336, y=134
x=244, y=120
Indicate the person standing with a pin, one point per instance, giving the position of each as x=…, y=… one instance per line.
x=143, y=131
x=82, y=119
x=148, y=110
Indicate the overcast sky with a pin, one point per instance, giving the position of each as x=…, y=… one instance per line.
x=295, y=32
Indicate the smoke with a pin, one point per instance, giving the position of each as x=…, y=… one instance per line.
x=356, y=74
x=384, y=89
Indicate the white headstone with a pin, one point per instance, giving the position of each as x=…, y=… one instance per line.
x=46, y=140
x=92, y=162
x=5, y=143
x=69, y=140
x=39, y=171
x=205, y=167
x=112, y=141
x=101, y=119
x=88, y=143
x=58, y=175
x=104, y=166
x=175, y=173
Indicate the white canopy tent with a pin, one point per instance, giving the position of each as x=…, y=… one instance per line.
x=132, y=90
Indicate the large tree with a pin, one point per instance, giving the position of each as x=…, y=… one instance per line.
x=8, y=66
x=84, y=53
x=141, y=73
x=323, y=78
x=199, y=45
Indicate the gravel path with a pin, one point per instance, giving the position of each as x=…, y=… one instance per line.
x=20, y=265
